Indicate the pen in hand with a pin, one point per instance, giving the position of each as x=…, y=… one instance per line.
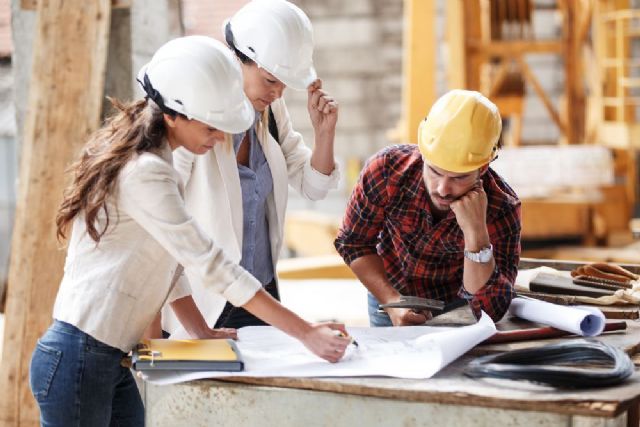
x=352, y=340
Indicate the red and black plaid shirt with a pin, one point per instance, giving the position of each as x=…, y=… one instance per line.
x=389, y=214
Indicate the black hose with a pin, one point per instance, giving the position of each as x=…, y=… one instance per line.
x=556, y=365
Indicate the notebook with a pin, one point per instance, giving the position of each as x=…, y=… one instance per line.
x=189, y=355
x=554, y=284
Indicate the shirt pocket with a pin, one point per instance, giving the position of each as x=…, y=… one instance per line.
x=44, y=365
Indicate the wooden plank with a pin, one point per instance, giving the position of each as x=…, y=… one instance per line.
x=515, y=47
x=570, y=219
x=537, y=87
x=621, y=101
x=574, y=85
x=309, y=233
x=66, y=89
x=28, y=4
x=626, y=13
x=473, y=34
x=318, y=267
x=627, y=340
x=619, y=135
x=419, y=86
x=33, y=4
x=568, y=265
x=456, y=33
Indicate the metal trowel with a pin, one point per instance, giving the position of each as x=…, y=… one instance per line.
x=455, y=313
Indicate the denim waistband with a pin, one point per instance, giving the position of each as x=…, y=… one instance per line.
x=69, y=329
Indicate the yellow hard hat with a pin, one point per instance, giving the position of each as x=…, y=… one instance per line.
x=461, y=132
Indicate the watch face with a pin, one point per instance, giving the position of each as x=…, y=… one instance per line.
x=485, y=255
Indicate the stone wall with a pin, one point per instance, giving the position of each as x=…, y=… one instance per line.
x=358, y=57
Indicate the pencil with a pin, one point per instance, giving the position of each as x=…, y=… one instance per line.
x=353, y=341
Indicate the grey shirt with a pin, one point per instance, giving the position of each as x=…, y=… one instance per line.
x=257, y=184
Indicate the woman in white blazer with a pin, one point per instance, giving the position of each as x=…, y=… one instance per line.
x=240, y=196
x=129, y=231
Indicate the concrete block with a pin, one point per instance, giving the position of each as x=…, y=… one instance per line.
x=354, y=60
x=22, y=32
x=388, y=7
x=391, y=29
x=547, y=24
x=7, y=110
x=335, y=8
x=344, y=32
x=539, y=130
x=347, y=89
x=390, y=55
x=361, y=144
x=118, y=82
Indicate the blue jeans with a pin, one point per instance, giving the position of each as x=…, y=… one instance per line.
x=78, y=381
x=377, y=318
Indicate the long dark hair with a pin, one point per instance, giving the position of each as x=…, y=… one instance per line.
x=228, y=37
x=135, y=128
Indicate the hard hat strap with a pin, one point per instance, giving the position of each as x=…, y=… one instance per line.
x=154, y=95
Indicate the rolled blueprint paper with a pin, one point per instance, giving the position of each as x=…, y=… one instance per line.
x=580, y=320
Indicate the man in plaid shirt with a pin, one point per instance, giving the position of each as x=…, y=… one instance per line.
x=434, y=220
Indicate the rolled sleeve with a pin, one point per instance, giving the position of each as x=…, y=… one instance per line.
x=318, y=184
x=495, y=296
x=241, y=291
x=150, y=194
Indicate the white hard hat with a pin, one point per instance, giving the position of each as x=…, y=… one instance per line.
x=277, y=35
x=199, y=77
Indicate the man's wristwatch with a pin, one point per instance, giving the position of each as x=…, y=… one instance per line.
x=483, y=256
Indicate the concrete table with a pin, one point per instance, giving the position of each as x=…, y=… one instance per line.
x=448, y=399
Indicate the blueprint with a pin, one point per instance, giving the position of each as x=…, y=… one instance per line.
x=402, y=352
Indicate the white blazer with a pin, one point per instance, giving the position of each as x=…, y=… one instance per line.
x=214, y=197
x=113, y=290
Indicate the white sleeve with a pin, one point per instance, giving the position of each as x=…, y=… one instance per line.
x=303, y=177
x=180, y=287
x=149, y=193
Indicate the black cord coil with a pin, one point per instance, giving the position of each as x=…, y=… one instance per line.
x=556, y=365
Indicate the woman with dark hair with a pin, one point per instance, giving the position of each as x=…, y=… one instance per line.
x=129, y=231
x=240, y=196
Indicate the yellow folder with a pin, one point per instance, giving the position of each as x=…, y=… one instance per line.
x=192, y=355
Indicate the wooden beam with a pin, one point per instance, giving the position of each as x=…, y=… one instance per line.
x=537, y=87
x=318, y=267
x=66, y=90
x=28, y=4
x=574, y=88
x=419, y=88
x=33, y=4
x=456, y=44
x=309, y=233
x=515, y=47
x=473, y=30
x=501, y=74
